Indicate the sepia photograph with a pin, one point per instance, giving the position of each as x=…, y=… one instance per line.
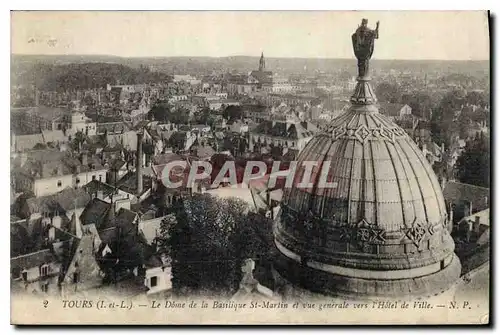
x=250, y=168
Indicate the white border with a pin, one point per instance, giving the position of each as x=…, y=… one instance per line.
x=190, y=5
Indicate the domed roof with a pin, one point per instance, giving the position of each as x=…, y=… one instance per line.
x=382, y=230
x=386, y=211
x=381, y=176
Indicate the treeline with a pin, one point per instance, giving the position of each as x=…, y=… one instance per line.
x=66, y=77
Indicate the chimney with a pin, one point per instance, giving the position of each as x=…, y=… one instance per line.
x=75, y=226
x=100, y=195
x=450, y=225
x=138, y=168
x=52, y=234
x=476, y=224
x=112, y=212
x=56, y=221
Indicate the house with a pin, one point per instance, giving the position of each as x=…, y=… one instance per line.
x=48, y=172
x=433, y=152
x=153, y=140
x=80, y=270
x=203, y=152
x=20, y=143
x=472, y=240
x=112, y=127
x=395, y=111
x=81, y=123
x=36, y=272
x=158, y=276
x=128, y=187
x=289, y=134
x=182, y=140
x=466, y=199
x=237, y=126
x=96, y=213
x=476, y=226
x=54, y=137
x=67, y=202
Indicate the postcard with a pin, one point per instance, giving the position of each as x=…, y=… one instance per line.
x=250, y=168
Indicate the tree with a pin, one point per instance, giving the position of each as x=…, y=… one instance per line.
x=208, y=243
x=473, y=166
x=233, y=113
x=159, y=112
x=443, y=127
x=163, y=241
x=420, y=103
x=476, y=98
x=203, y=116
x=387, y=92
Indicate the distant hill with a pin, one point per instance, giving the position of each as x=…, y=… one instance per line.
x=52, y=76
x=207, y=65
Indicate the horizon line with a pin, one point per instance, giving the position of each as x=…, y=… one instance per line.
x=268, y=57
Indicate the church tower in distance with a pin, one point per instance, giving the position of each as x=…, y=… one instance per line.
x=262, y=63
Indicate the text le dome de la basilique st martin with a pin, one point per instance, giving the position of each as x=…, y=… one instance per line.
x=302, y=175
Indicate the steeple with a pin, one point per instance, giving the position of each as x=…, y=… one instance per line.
x=262, y=63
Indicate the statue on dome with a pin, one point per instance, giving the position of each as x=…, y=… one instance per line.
x=363, y=41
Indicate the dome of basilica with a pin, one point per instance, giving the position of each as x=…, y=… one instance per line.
x=382, y=230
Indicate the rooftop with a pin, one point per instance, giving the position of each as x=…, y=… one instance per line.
x=95, y=213
x=64, y=201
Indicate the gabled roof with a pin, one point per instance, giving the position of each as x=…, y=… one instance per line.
x=53, y=136
x=263, y=77
x=203, y=151
x=81, y=259
x=95, y=186
x=477, y=195
x=126, y=220
x=27, y=142
x=151, y=229
x=33, y=259
x=63, y=201
x=390, y=109
x=95, y=213
x=289, y=130
x=484, y=217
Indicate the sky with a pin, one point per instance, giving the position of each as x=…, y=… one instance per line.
x=436, y=35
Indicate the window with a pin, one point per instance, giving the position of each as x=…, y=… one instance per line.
x=100, y=178
x=45, y=287
x=76, y=277
x=44, y=270
x=93, y=177
x=59, y=183
x=24, y=274
x=78, y=180
x=154, y=281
